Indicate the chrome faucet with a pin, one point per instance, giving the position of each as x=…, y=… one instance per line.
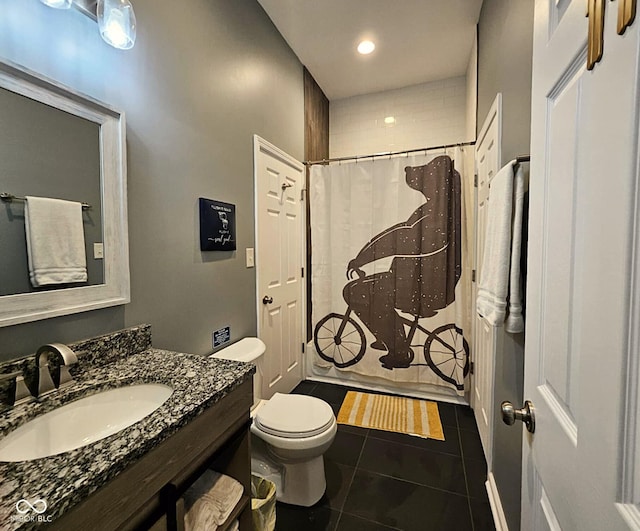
x=22, y=394
x=45, y=382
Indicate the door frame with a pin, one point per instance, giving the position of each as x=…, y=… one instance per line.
x=264, y=146
x=494, y=116
x=629, y=505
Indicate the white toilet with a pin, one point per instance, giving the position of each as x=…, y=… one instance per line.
x=291, y=433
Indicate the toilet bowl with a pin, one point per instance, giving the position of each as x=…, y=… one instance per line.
x=290, y=433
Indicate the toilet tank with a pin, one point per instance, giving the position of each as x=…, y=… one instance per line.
x=250, y=350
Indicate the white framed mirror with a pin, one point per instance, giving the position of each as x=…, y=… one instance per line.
x=58, y=143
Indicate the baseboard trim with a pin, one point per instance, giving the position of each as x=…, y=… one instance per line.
x=496, y=505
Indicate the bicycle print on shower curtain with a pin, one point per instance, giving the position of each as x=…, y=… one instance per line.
x=388, y=240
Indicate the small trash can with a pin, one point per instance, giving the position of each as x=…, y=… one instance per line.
x=263, y=504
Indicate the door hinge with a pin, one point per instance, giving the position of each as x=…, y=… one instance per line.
x=302, y=192
x=471, y=368
x=475, y=181
x=302, y=271
x=303, y=347
x=473, y=275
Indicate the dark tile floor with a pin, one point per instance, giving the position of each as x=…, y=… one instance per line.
x=379, y=481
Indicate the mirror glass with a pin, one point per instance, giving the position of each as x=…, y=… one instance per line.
x=58, y=143
x=45, y=152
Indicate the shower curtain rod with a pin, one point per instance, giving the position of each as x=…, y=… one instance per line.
x=388, y=154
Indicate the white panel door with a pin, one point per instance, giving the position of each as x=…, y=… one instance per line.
x=488, y=158
x=279, y=181
x=583, y=206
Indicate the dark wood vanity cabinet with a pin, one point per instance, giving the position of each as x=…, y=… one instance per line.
x=148, y=494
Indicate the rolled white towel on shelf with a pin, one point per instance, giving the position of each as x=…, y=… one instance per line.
x=55, y=241
x=210, y=501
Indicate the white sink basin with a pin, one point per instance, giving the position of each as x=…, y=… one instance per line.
x=83, y=422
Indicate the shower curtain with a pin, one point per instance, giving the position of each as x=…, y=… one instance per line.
x=391, y=286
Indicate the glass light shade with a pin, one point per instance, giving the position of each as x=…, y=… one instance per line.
x=58, y=4
x=117, y=23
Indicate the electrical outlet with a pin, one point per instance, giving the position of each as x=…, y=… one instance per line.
x=250, y=261
x=98, y=251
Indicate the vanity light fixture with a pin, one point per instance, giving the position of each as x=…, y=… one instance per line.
x=366, y=47
x=116, y=18
x=58, y=4
x=117, y=23
x=390, y=120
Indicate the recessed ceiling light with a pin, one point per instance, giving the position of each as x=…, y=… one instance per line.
x=366, y=47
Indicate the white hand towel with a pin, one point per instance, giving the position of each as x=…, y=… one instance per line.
x=55, y=241
x=210, y=501
x=235, y=526
x=515, y=323
x=491, y=302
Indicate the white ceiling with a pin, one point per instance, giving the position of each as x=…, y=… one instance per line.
x=416, y=40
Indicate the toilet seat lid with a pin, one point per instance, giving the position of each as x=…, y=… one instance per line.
x=294, y=416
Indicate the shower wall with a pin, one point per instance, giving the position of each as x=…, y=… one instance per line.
x=428, y=114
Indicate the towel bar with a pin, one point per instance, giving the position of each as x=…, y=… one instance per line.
x=8, y=198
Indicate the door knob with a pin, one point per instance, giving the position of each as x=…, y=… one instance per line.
x=285, y=186
x=267, y=300
x=526, y=415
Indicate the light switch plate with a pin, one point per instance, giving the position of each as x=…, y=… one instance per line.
x=98, y=251
x=250, y=262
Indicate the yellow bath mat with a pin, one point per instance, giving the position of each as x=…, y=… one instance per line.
x=392, y=413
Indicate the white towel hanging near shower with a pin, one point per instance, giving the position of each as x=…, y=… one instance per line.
x=493, y=284
x=514, y=323
x=55, y=241
x=500, y=276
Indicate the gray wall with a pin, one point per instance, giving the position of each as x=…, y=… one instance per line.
x=505, y=46
x=203, y=77
x=505, y=39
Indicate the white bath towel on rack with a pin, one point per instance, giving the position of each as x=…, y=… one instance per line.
x=55, y=241
x=493, y=286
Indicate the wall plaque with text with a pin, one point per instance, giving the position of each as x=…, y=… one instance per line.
x=217, y=225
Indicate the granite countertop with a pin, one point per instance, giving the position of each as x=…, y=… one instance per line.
x=66, y=479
